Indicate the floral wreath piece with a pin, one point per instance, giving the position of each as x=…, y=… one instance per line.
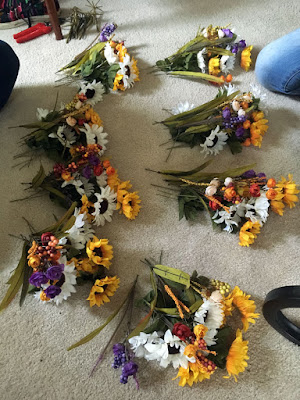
x=186, y=327
x=53, y=261
x=210, y=54
x=237, y=200
x=231, y=118
x=106, y=63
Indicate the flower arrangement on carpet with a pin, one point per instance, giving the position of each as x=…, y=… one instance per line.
x=232, y=119
x=237, y=200
x=58, y=258
x=187, y=326
x=105, y=63
x=210, y=56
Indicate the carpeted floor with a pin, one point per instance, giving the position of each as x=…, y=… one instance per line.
x=34, y=361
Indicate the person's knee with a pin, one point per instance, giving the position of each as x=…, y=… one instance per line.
x=266, y=69
x=11, y=62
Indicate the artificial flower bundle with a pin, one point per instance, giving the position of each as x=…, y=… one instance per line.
x=187, y=326
x=76, y=123
x=237, y=200
x=107, y=63
x=76, y=139
x=210, y=56
x=65, y=254
x=232, y=118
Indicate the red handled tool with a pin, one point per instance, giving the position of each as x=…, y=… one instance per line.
x=32, y=33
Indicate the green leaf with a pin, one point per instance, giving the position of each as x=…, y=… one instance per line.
x=144, y=322
x=15, y=280
x=224, y=340
x=235, y=146
x=194, y=307
x=39, y=178
x=173, y=274
x=197, y=75
x=187, y=173
x=26, y=276
x=55, y=227
x=168, y=311
x=158, y=325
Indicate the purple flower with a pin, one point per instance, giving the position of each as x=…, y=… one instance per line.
x=249, y=174
x=234, y=48
x=228, y=32
x=54, y=273
x=106, y=32
x=118, y=349
x=93, y=159
x=239, y=132
x=52, y=291
x=261, y=175
x=86, y=172
x=226, y=113
x=37, y=279
x=242, y=44
x=130, y=368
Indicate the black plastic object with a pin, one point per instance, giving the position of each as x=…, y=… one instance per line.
x=277, y=300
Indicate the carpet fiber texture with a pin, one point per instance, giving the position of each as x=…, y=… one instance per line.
x=34, y=361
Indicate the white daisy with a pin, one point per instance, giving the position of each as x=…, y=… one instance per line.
x=215, y=142
x=227, y=63
x=110, y=55
x=95, y=135
x=182, y=107
x=137, y=343
x=229, y=218
x=41, y=113
x=65, y=136
x=170, y=351
x=102, y=179
x=201, y=60
x=259, y=94
x=209, y=314
x=81, y=232
x=127, y=71
x=93, y=91
x=105, y=206
x=257, y=208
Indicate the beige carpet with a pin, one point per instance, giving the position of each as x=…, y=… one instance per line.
x=34, y=361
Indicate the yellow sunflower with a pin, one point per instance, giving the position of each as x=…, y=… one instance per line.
x=289, y=190
x=237, y=356
x=99, y=251
x=121, y=51
x=246, y=58
x=258, y=128
x=135, y=70
x=122, y=191
x=213, y=66
x=92, y=117
x=118, y=82
x=85, y=265
x=131, y=205
x=194, y=373
x=102, y=290
x=248, y=233
x=87, y=207
x=240, y=300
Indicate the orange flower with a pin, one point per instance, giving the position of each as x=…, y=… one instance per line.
x=246, y=124
x=247, y=142
x=113, y=181
x=271, y=183
x=229, y=193
x=271, y=194
x=67, y=176
x=121, y=51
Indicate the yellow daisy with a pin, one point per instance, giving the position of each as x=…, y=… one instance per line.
x=113, y=181
x=135, y=69
x=248, y=233
x=194, y=373
x=258, y=128
x=99, y=251
x=246, y=58
x=121, y=51
x=131, y=205
x=277, y=207
x=92, y=117
x=86, y=265
x=87, y=207
x=118, y=82
x=102, y=290
x=289, y=190
x=213, y=66
x=240, y=300
x=237, y=356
